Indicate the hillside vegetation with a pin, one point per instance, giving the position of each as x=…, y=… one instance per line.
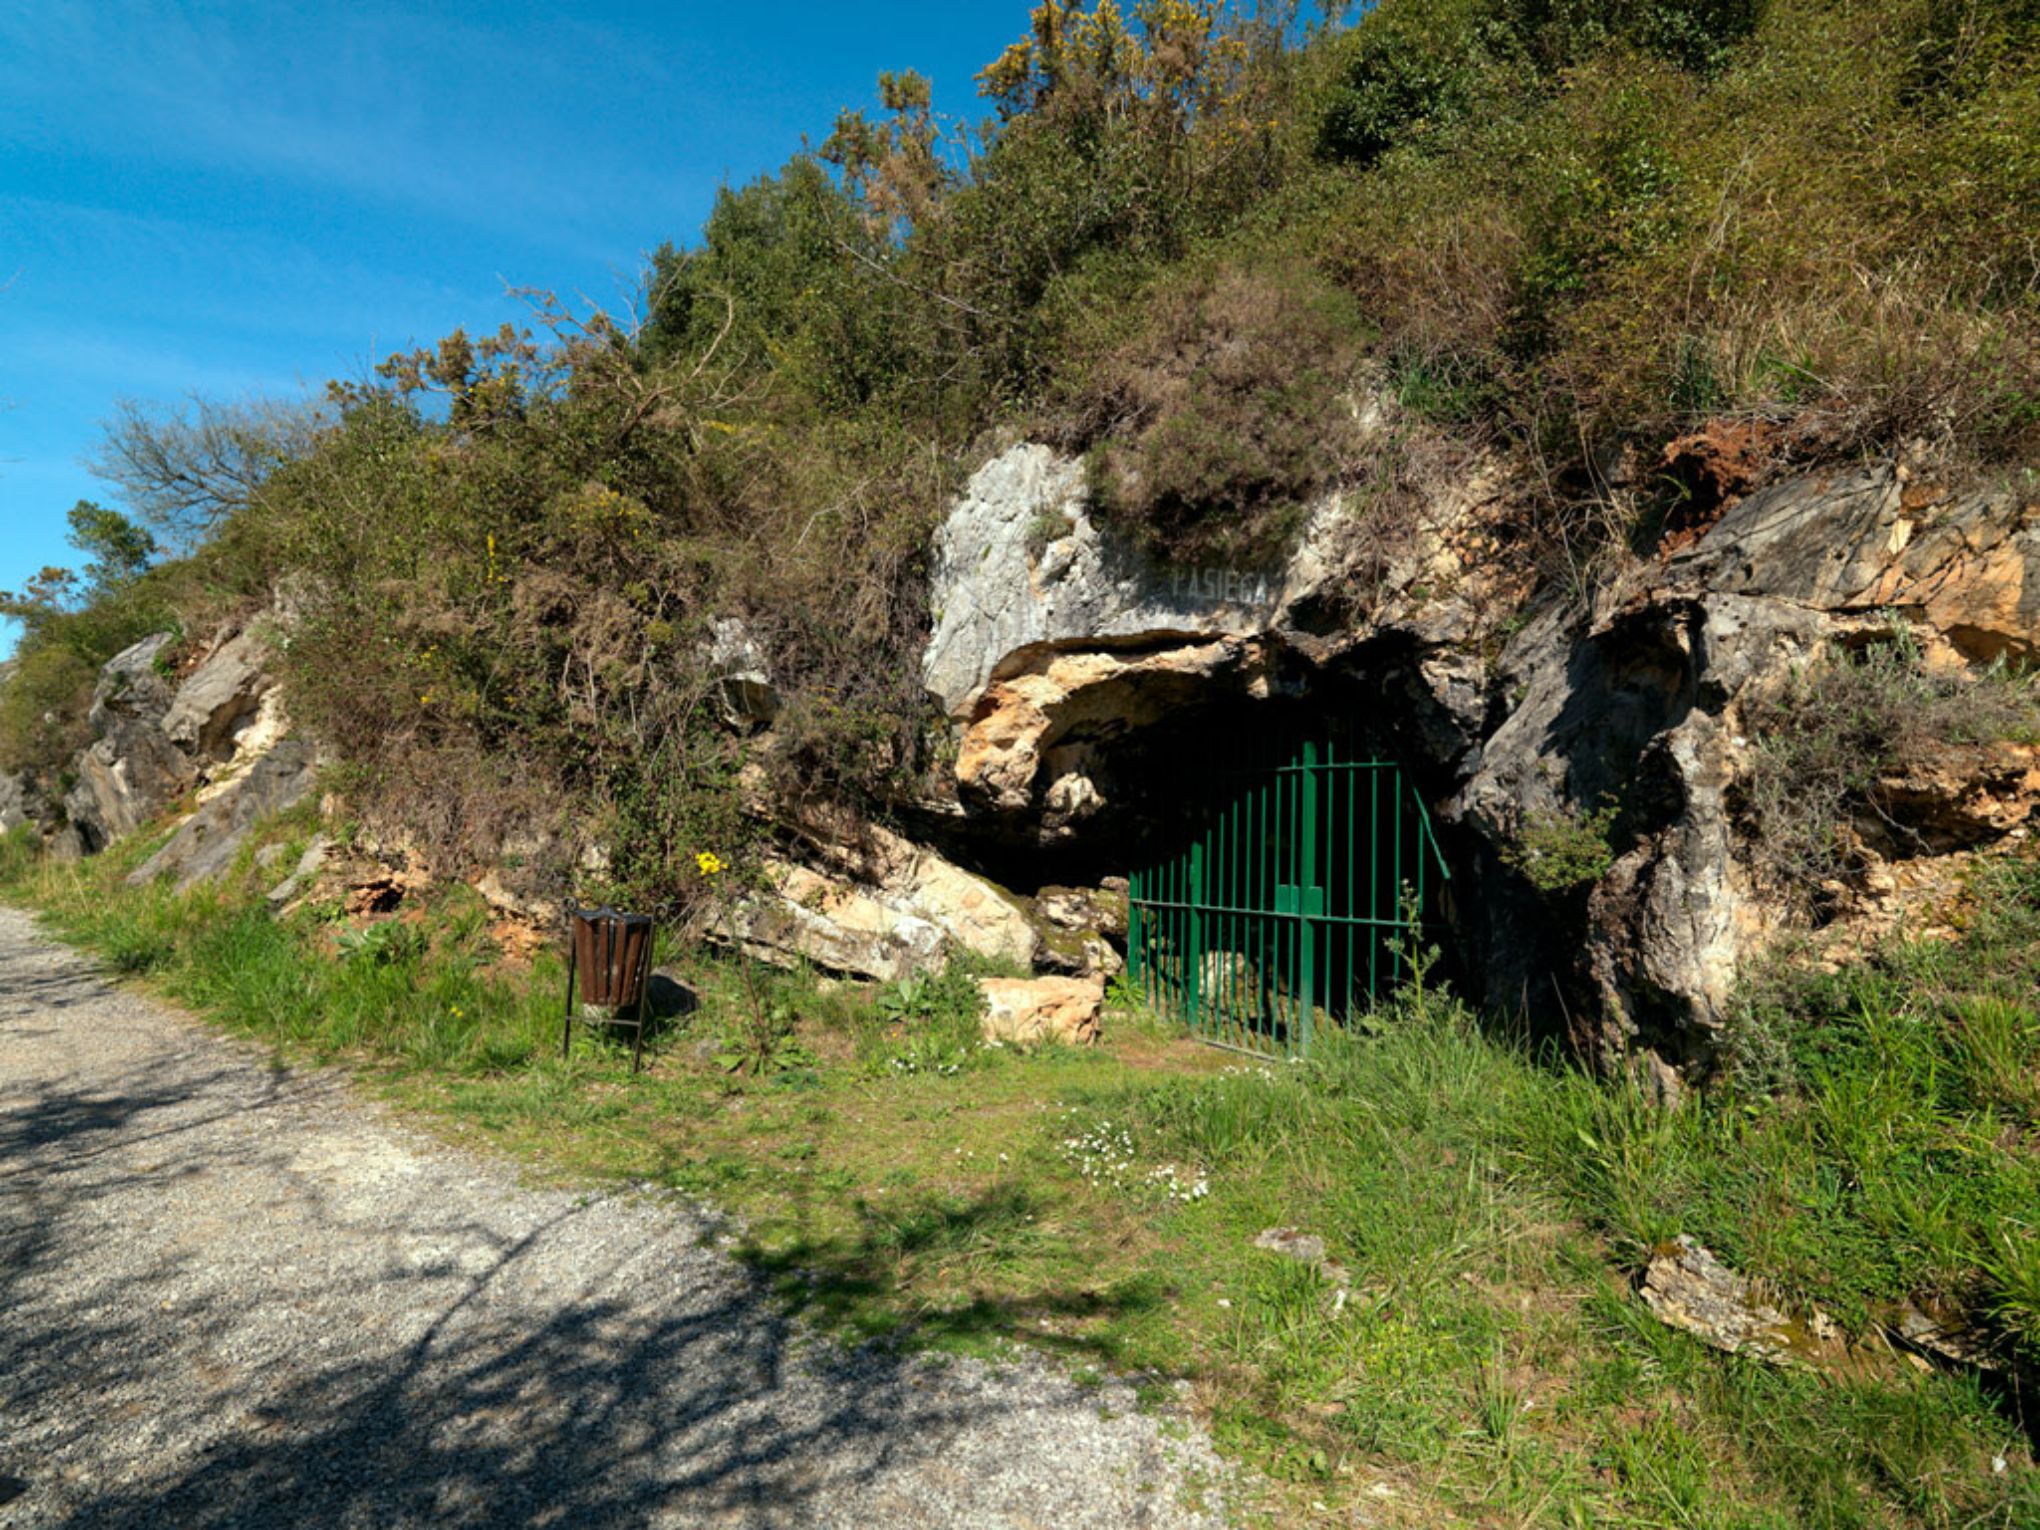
x=1182, y=235
x=1192, y=244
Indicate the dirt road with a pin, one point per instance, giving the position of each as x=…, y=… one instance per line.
x=235, y=1295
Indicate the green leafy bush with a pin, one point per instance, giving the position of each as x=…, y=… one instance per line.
x=1559, y=850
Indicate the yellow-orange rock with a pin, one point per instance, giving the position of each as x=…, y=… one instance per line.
x=1032, y=1011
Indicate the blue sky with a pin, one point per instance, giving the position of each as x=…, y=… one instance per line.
x=233, y=199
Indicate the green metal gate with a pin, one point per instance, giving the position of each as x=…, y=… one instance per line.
x=1284, y=901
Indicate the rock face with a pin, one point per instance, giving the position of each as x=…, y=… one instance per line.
x=1034, y=1011
x=132, y=770
x=219, y=698
x=214, y=734
x=1644, y=706
x=1966, y=566
x=1055, y=646
x=1020, y=562
x=1638, y=711
x=1060, y=657
x=207, y=842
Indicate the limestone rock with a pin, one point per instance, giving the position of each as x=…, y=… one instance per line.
x=1083, y=929
x=220, y=697
x=1867, y=541
x=1031, y=1011
x=1019, y=562
x=131, y=771
x=915, y=880
x=1047, y=721
x=745, y=692
x=1691, y=1290
x=18, y=803
x=303, y=875
x=124, y=779
x=131, y=686
x=1636, y=711
x=1946, y=1333
x=210, y=839
x=837, y=925
x=1086, y=910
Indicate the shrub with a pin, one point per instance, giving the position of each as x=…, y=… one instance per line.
x=1225, y=411
x=1826, y=740
x=1561, y=849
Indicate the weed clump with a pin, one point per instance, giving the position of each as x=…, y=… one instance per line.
x=1559, y=850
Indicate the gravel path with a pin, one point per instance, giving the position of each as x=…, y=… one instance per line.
x=236, y=1295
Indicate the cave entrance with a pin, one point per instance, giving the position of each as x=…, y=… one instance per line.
x=1287, y=879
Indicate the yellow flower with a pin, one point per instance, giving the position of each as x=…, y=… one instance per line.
x=709, y=862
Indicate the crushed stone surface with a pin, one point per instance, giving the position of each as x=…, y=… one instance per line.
x=234, y=1293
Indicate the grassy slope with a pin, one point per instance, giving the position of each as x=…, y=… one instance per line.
x=1488, y=1363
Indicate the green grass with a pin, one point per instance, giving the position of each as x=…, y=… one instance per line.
x=1477, y=1356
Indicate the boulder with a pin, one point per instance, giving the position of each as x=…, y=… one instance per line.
x=124, y=779
x=132, y=686
x=219, y=698
x=837, y=925
x=1099, y=910
x=1083, y=929
x=1691, y=1290
x=973, y=912
x=1033, y=1011
x=208, y=841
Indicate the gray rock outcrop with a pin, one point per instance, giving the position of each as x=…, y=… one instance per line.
x=207, y=842
x=131, y=771
x=1056, y=652
x=219, y=698
x=158, y=739
x=18, y=806
x=1020, y=562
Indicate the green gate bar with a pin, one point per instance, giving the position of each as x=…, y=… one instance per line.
x=1284, y=882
